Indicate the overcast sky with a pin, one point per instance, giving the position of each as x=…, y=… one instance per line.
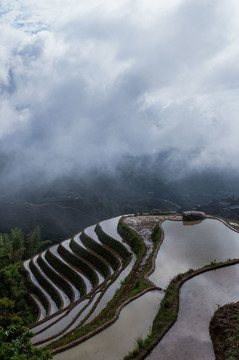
x=88, y=81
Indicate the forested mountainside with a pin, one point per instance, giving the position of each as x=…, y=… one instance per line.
x=69, y=204
x=16, y=247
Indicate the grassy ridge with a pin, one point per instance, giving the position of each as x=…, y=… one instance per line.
x=168, y=311
x=134, y=284
x=46, y=285
x=33, y=289
x=131, y=237
x=66, y=270
x=56, y=278
x=94, y=260
x=114, y=244
x=78, y=263
x=156, y=234
x=94, y=246
x=224, y=332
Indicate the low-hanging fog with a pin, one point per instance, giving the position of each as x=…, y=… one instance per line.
x=84, y=84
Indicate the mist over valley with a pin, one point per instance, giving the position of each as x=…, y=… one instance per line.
x=117, y=119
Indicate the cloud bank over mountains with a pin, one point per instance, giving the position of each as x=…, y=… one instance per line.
x=82, y=84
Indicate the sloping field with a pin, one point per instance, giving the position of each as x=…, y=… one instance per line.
x=81, y=285
x=74, y=279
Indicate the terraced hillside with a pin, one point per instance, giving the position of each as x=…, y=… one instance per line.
x=71, y=280
x=81, y=285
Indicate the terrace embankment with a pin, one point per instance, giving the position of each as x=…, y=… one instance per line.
x=224, y=332
x=134, y=285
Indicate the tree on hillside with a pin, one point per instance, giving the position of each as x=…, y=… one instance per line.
x=17, y=240
x=15, y=338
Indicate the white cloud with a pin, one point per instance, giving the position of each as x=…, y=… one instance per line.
x=88, y=81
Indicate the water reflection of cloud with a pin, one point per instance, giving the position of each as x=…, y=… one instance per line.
x=189, y=337
x=193, y=247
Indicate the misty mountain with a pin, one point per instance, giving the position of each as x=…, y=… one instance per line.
x=136, y=184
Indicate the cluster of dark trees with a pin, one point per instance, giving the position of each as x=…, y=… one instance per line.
x=14, y=249
x=15, y=306
x=18, y=246
x=15, y=337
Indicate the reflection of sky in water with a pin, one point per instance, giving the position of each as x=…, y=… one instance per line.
x=110, y=228
x=70, y=317
x=193, y=246
x=189, y=338
x=53, y=306
x=38, y=328
x=117, y=340
x=60, y=325
x=90, y=231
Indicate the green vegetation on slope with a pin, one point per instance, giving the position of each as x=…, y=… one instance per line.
x=12, y=285
x=132, y=286
x=56, y=278
x=33, y=289
x=224, y=331
x=14, y=248
x=168, y=311
x=46, y=284
x=112, y=243
x=66, y=270
x=79, y=264
x=131, y=238
x=17, y=246
x=101, y=250
x=15, y=338
x=93, y=259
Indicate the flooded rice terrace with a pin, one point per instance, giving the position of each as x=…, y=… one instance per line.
x=200, y=297
x=184, y=246
x=194, y=245
x=118, y=339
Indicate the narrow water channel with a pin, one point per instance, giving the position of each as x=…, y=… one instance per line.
x=117, y=340
x=200, y=297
